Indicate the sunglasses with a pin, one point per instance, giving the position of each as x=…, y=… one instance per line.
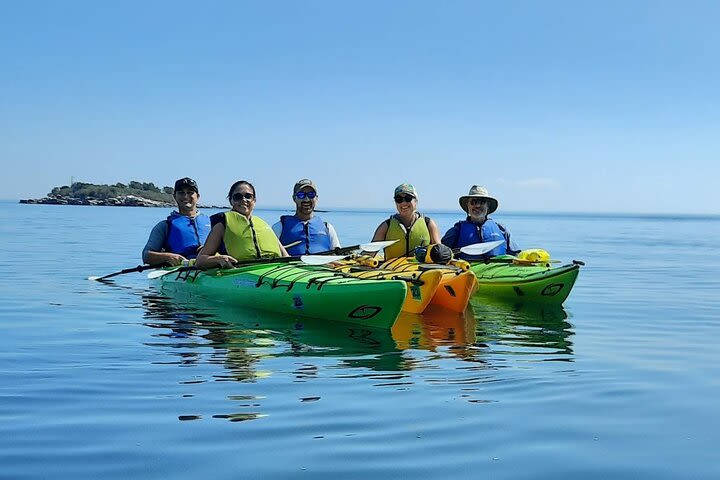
x=404, y=198
x=302, y=195
x=478, y=201
x=239, y=196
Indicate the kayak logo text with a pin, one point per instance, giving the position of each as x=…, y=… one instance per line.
x=297, y=302
x=364, y=312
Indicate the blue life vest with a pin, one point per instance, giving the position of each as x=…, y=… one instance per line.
x=490, y=231
x=314, y=235
x=186, y=235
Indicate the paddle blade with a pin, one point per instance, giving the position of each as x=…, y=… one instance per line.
x=159, y=273
x=376, y=246
x=100, y=279
x=320, y=259
x=480, y=248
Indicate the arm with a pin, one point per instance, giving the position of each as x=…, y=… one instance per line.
x=381, y=231
x=208, y=258
x=277, y=229
x=434, y=231
x=152, y=253
x=278, y=232
x=450, y=237
x=334, y=240
x=512, y=247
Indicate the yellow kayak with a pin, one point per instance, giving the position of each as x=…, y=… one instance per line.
x=421, y=285
x=456, y=286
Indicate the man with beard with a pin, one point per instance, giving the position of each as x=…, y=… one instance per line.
x=479, y=227
x=304, y=232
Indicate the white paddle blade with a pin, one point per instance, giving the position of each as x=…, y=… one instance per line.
x=376, y=246
x=320, y=259
x=481, y=248
x=159, y=273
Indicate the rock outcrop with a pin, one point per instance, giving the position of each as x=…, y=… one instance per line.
x=119, y=201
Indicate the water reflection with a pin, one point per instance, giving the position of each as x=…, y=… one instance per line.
x=251, y=345
x=242, y=337
x=525, y=329
x=239, y=338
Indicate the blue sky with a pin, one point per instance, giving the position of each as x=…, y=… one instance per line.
x=572, y=106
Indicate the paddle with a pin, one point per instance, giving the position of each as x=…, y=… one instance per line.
x=306, y=259
x=479, y=248
x=321, y=258
x=139, y=268
x=366, y=247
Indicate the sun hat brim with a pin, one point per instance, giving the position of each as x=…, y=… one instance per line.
x=492, y=202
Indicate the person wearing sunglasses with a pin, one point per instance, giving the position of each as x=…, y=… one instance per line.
x=304, y=232
x=237, y=235
x=180, y=236
x=411, y=228
x=478, y=227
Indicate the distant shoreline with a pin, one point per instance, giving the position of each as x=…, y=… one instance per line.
x=134, y=194
x=120, y=201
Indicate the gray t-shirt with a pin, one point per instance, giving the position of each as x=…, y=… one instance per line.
x=156, y=241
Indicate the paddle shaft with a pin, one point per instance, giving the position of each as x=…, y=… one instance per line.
x=254, y=261
x=139, y=268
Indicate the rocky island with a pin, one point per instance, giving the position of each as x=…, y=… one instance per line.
x=134, y=194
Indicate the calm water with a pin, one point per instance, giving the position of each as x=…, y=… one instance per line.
x=115, y=381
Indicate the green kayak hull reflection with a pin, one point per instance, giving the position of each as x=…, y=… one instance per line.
x=296, y=290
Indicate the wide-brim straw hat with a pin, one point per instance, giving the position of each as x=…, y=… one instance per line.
x=476, y=191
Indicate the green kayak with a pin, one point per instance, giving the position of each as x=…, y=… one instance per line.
x=297, y=290
x=504, y=280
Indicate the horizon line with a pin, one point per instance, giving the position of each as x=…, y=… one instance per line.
x=332, y=209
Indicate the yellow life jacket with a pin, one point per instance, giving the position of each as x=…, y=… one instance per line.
x=246, y=239
x=417, y=236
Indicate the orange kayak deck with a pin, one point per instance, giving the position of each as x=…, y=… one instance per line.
x=422, y=285
x=456, y=287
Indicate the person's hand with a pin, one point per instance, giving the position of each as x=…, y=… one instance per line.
x=226, y=261
x=175, y=260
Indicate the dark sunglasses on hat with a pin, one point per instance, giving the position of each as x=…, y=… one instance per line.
x=186, y=182
x=404, y=198
x=303, y=195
